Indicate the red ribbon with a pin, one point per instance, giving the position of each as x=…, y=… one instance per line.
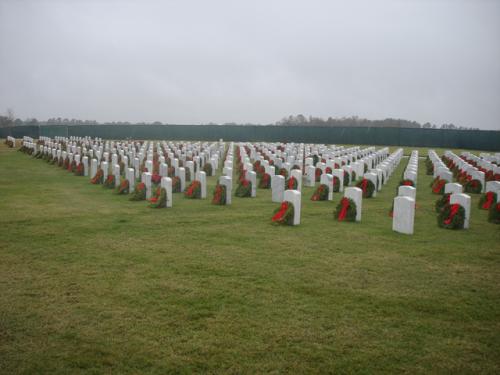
x=279, y=215
x=454, y=210
x=489, y=200
x=364, y=183
x=344, y=208
x=291, y=183
x=438, y=186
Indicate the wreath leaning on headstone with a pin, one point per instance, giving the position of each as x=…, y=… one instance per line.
x=109, y=183
x=367, y=186
x=160, y=198
x=283, y=214
x=494, y=214
x=406, y=182
x=176, y=184
x=452, y=216
x=473, y=186
x=487, y=200
x=98, y=178
x=265, y=181
x=292, y=183
x=347, y=178
x=123, y=188
x=442, y=202
x=139, y=193
x=194, y=190
x=346, y=210
x=321, y=193
x=219, y=195
x=244, y=189
x=437, y=185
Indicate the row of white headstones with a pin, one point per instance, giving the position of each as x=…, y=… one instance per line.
x=380, y=164
x=403, y=219
x=455, y=189
x=384, y=167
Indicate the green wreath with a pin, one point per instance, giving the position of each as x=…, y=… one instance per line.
x=219, y=195
x=284, y=214
x=445, y=220
x=346, y=210
x=321, y=193
x=473, y=186
x=160, y=199
x=494, y=214
x=367, y=186
x=244, y=189
x=442, y=202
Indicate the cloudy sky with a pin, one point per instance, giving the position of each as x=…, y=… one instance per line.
x=190, y=62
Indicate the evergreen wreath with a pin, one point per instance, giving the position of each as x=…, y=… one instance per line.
x=473, y=186
x=265, y=181
x=207, y=168
x=452, y=216
x=139, y=193
x=98, y=178
x=442, y=202
x=494, y=213
x=160, y=199
x=291, y=184
x=244, y=189
x=219, y=195
x=123, y=188
x=321, y=193
x=176, y=184
x=367, y=187
x=109, y=183
x=194, y=190
x=406, y=182
x=487, y=200
x=283, y=214
x=346, y=210
x=347, y=178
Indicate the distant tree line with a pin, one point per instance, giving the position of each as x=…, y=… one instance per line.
x=354, y=121
x=299, y=120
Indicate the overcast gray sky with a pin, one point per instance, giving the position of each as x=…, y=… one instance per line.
x=190, y=62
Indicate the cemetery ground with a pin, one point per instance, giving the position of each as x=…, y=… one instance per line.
x=93, y=283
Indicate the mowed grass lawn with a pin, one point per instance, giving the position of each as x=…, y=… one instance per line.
x=91, y=283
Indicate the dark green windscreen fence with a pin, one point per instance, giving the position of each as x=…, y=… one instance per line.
x=470, y=139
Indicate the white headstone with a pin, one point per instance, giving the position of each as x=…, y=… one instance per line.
x=339, y=173
x=277, y=188
x=85, y=161
x=294, y=197
x=407, y=191
x=463, y=200
x=452, y=187
x=166, y=183
x=202, y=177
x=182, y=177
x=131, y=178
x=297, y=174
x=310, y=176
x=146, y=179
x=252, y=177
x=327, y=179
x=356, y=194
x=403, y=214
x=227, y=181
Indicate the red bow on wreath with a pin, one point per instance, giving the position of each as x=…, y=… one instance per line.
x=489, y=200
x=279, y=215
x=454, y=210
x=344, y=208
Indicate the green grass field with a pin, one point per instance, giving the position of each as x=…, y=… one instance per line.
x=91, y=283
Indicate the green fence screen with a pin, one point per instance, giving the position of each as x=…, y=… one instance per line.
x=466, y=139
